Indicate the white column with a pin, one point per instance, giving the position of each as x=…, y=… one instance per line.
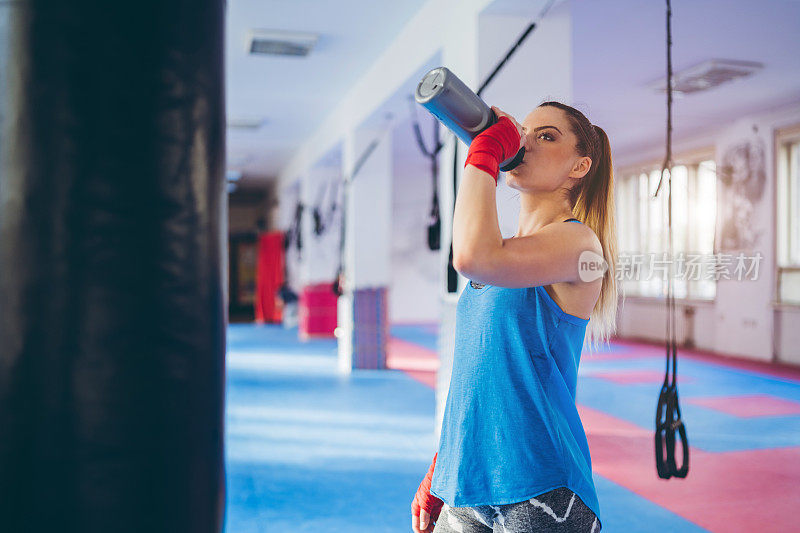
x=363, y=320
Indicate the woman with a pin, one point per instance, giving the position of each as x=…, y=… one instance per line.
x=512, y=449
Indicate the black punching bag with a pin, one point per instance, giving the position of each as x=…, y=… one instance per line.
x=112, y=306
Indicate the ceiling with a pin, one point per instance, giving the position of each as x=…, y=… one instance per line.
x=294, y=94
x=618, y=48
x=615, y=59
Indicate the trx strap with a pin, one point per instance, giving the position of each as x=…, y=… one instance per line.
x=323, y=220
x=435, y=226
x=294, y=235
x=668, y=412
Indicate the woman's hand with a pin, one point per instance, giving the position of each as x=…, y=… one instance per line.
x=422, y=523
x=425, y=507
x=500, y=113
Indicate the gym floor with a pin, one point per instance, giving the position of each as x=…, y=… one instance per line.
x=311, y=450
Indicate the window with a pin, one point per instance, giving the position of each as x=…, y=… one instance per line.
x=642, y=222
x=788, y=215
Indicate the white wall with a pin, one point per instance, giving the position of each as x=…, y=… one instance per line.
x=540, y=70
x=742, y=320
x=415, y=279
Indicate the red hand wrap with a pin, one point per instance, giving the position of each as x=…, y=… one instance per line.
x=493, y=146
x=424, y=499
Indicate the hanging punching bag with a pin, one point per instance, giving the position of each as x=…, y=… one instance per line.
x=112, y=315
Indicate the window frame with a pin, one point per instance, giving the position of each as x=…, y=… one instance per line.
x=781, y=136
x=691, y=158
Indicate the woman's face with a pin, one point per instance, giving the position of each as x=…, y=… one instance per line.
x=550, y=158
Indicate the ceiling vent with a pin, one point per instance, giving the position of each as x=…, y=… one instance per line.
x=707, y=75
x=246, y=123
x=280, y=43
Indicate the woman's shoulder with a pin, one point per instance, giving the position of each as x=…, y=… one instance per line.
x=581, y=235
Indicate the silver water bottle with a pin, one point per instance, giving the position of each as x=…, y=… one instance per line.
x=458, y=108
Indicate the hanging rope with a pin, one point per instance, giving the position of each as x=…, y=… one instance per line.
x=668, y=411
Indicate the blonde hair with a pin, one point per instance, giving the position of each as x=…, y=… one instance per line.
x=592, y=201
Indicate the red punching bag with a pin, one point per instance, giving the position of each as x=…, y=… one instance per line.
x=269, y=277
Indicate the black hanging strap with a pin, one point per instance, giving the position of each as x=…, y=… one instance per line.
x=668, y=411
x=435, y=226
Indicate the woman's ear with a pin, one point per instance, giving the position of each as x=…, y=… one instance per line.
x=582, y=166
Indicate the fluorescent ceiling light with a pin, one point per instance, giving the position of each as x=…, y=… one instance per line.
x=707, y=75
x=246, y=123
x=279, y=42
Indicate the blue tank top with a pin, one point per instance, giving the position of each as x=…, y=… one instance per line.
x=511, y=430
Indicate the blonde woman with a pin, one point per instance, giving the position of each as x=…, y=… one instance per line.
x=513, y=450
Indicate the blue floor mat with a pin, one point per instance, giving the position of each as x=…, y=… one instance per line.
x=309, y=449
x=306, y=446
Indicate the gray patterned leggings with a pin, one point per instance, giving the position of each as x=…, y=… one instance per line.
x=557, y=511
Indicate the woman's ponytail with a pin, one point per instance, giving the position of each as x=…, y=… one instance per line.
x=595, y=206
